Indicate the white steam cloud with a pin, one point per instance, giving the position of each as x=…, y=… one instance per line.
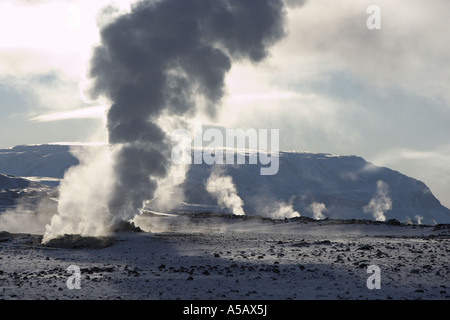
x=223, y=188
x=84, y=194
x=170, y=192
x=317, y=210
x=380, y=203
x=22, y=220
x=267, y=206
x=418, y=219
x=281, y=210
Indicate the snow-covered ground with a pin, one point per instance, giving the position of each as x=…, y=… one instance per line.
x=222, y=257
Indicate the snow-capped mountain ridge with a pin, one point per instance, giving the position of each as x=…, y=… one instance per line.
x=345, y=185
x=37, y=160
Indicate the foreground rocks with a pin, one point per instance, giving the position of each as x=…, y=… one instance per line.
x=247, y=259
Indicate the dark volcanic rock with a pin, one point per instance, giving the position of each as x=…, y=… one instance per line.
x=5, y=236
x=75, y=241
x=125, y=226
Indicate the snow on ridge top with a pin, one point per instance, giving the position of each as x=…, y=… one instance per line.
x=50, y=147
x=281, y=153
x=37, y=148
x=79, y=143
x=317, y=155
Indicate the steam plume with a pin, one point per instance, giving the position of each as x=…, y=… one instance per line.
x=380, y=203
x=282, y=210
x=84, y=192
x=269, y=206
x=418, y=219
x=166, y=59
x=317, y=209
x=223, y=188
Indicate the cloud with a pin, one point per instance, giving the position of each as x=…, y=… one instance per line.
x=409, y=53
x=41, y=35
x=294, y=3
x=270, y=96
x=83, y=113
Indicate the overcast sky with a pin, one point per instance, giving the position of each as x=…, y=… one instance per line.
x=331, y=85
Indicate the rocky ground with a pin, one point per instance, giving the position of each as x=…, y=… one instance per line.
x=226, y=258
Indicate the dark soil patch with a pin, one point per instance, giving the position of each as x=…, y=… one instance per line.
x=75, y=241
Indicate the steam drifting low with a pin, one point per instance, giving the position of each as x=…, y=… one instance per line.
x=380, y=203
x=165, y=59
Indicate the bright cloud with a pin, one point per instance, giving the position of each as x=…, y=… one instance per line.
x=83, y=113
